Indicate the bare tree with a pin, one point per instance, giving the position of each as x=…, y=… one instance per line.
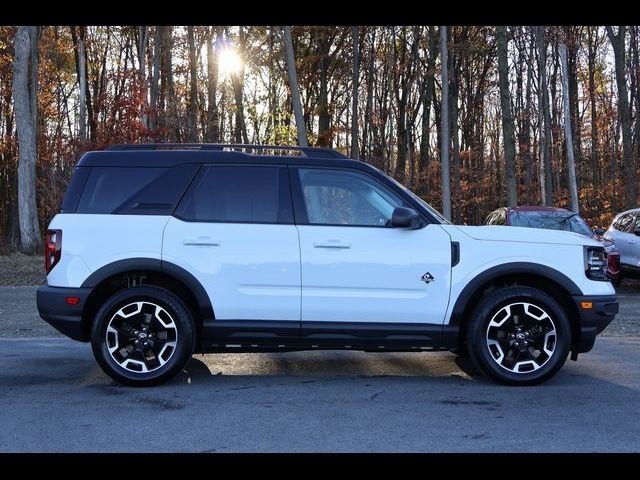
x=354, y=92
x=141, y=45
x=82, y=84
x=427, y=94
x=544, y=120
x=444, y=146
x=25, y=72
x=293, y=85
x=213, y=125
x=191, y=133
x=573, y=189
x=155, y=77
x=507, y=117
x=624, y=112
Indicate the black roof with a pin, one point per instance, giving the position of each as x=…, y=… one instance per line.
x=171, y=154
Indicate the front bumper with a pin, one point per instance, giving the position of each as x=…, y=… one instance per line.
x=54, y=309
x=593, y=320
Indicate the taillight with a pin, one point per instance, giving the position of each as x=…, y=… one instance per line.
x=52, y=249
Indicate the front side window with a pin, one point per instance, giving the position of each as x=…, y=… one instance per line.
x=242, y=194
x=340, y=197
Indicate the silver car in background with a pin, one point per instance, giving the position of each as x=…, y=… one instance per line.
x=625, y=231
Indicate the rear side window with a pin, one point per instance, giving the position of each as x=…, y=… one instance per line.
x=109, y=187
x=239, y=194
x=74, y=190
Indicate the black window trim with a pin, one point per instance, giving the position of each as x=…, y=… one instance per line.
x=199, y=177
x=300, y=209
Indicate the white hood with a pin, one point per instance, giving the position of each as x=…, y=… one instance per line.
x=521, y=234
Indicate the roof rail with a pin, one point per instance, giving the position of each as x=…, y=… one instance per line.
x=306, y=151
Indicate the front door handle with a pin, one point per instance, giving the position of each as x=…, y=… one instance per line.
x=331, y=244
x=202, y=241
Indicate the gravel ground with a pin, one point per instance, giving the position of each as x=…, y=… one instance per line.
x=17, y=269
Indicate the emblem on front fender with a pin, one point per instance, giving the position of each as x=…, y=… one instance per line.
x=427, y=278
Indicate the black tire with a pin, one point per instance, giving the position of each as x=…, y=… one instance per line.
x=132, y=310
x=617, y=282
x=461, y=350
x=523, y=360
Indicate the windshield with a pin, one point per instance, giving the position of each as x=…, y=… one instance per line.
x=550, y=220
x=427, y=207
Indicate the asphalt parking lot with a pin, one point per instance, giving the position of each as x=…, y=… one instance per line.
x=56, y=399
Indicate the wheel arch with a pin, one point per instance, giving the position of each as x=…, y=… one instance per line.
x=118, y=275
x=544, y=278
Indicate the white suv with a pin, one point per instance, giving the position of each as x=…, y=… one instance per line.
x=160, y=251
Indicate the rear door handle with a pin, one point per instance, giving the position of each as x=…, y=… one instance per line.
x=331, y=244
x=202, y=241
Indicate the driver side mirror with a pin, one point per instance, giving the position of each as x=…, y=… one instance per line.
x=637, y=232
x=404, y=217
x=599, y=231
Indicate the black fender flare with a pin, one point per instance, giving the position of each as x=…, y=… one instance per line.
x=508, y=269
x=155, y=265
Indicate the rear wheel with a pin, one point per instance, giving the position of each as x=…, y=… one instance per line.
x=519, y=336
x=143, y=336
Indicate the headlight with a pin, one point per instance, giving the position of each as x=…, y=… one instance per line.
x=595, y=264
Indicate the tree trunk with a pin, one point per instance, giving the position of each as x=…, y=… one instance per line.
x=429, y=85
x=237, y=80
x=444, y=147
x=191, y=132
x=293, y=85
x=155, y=78
x=143, y=38
x=546, y=186
x=354, y=91
x=618, y=43
x=592, y=51
x=366, y=143
x=507, y=117
x=25, y=71
x=573, y=189
x=213, y=126
x=82, y=84
x=324, y=120
x=453, y=68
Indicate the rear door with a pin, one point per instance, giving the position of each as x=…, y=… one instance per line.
x=234, y=232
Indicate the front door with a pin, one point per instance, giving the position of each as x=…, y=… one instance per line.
x=357, y=270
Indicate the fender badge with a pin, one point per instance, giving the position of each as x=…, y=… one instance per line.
x=427, y=278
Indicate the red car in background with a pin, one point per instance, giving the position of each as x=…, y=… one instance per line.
x=553, y=218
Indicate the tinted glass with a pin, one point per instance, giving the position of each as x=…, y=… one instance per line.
x=74, y=190
x=160, y=196
x=625, y=223
x=334, y=197
x=496, y=218
x=107, y=188
x=240, y=194
x=551, y=220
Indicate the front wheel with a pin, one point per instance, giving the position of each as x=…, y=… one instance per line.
x=519, y=336
x=143, y=336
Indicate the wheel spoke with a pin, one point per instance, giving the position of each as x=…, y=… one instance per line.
x=141, y=337
x=521, y=337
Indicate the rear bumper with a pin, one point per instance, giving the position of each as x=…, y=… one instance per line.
x=595, y=319
x=54, y=309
